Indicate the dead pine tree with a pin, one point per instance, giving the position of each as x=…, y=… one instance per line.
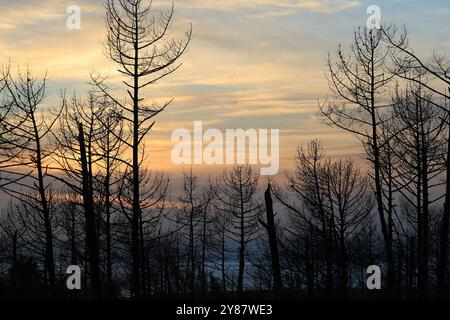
x=153, y=198
x=11, y=146
x=218, y=245
x=329, y=203
x=432, y=75
x=25, y=138
x=418, y=136
x=139, y=43
x=309, y=183
x=90, y=216
x=194, y=202
x=12, y=231
x=205, y=221
x=235, y=193
x=75, y=166
x=360, y=81
x=190, y=218
x=351, y=204
x=108, y=149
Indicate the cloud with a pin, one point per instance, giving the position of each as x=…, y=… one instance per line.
x=259, y=8
x=244, y=67
x=24, y=14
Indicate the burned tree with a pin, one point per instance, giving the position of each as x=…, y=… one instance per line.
x=331, y=204
x=351, y=204
x=434, y=77
x=235, y=194
x=360, y=82
x=194, y=204
x=75, y=162
x=153, y=199
x=418, y=136
x=308, y=183
x=27, y=148
x=13, y=232
x=139, y=43
x=108, y=149
x=219, y=247
x=270, y=227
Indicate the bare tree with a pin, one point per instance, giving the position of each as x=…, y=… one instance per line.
x=138, y=42
x=194, y=204
x=153, y=198
x=308, y=183
x=190, y=216
x=432, y=76
x=206, y=220
x=109, y=149
x=418, y=134
x=76, y=165
x=360, y=82
x=219, y=247
x=13, y=232
x=10, y=145
x=26, y=137
x=350, y=204
x=329, y=201
x=235, y=194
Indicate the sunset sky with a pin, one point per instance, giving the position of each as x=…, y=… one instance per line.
x=251, y=63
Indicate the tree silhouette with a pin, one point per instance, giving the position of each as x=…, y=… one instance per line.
x=433, y=76
x=235, y=194
x=360, y=83
x=270, y=227
x=26, y=148
x=138, y=43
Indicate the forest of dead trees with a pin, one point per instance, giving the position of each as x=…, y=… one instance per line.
x=77, y=185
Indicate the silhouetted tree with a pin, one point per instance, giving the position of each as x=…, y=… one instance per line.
x=219, y=246
x=235, y=194
x=13, y=232
x=360, y=82
x=194, y=204
x=434, y=77
x=331, y=203
x=26, y=148
x=270, y=227
x=76, y=164
x=418, y=134
x=153, y=199
x=138, y=42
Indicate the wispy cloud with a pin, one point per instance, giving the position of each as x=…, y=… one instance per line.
x=252, y=63
x=271, y=7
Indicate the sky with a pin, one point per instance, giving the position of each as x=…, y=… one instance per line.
x=250, y=64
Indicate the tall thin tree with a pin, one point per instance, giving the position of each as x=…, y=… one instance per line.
x=139, y=43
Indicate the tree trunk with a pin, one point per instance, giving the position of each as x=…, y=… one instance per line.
x=191, y=252
x=73, y=248
x=49, y=254
x=135, y=252
x=14, y=260
x=108, y=217
x=89, y=213
x=240, y=285
x=443, y=232
x=386, y=228
x=425, y=213
x=222, y=263
x=273, y=244
x=203, y=274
